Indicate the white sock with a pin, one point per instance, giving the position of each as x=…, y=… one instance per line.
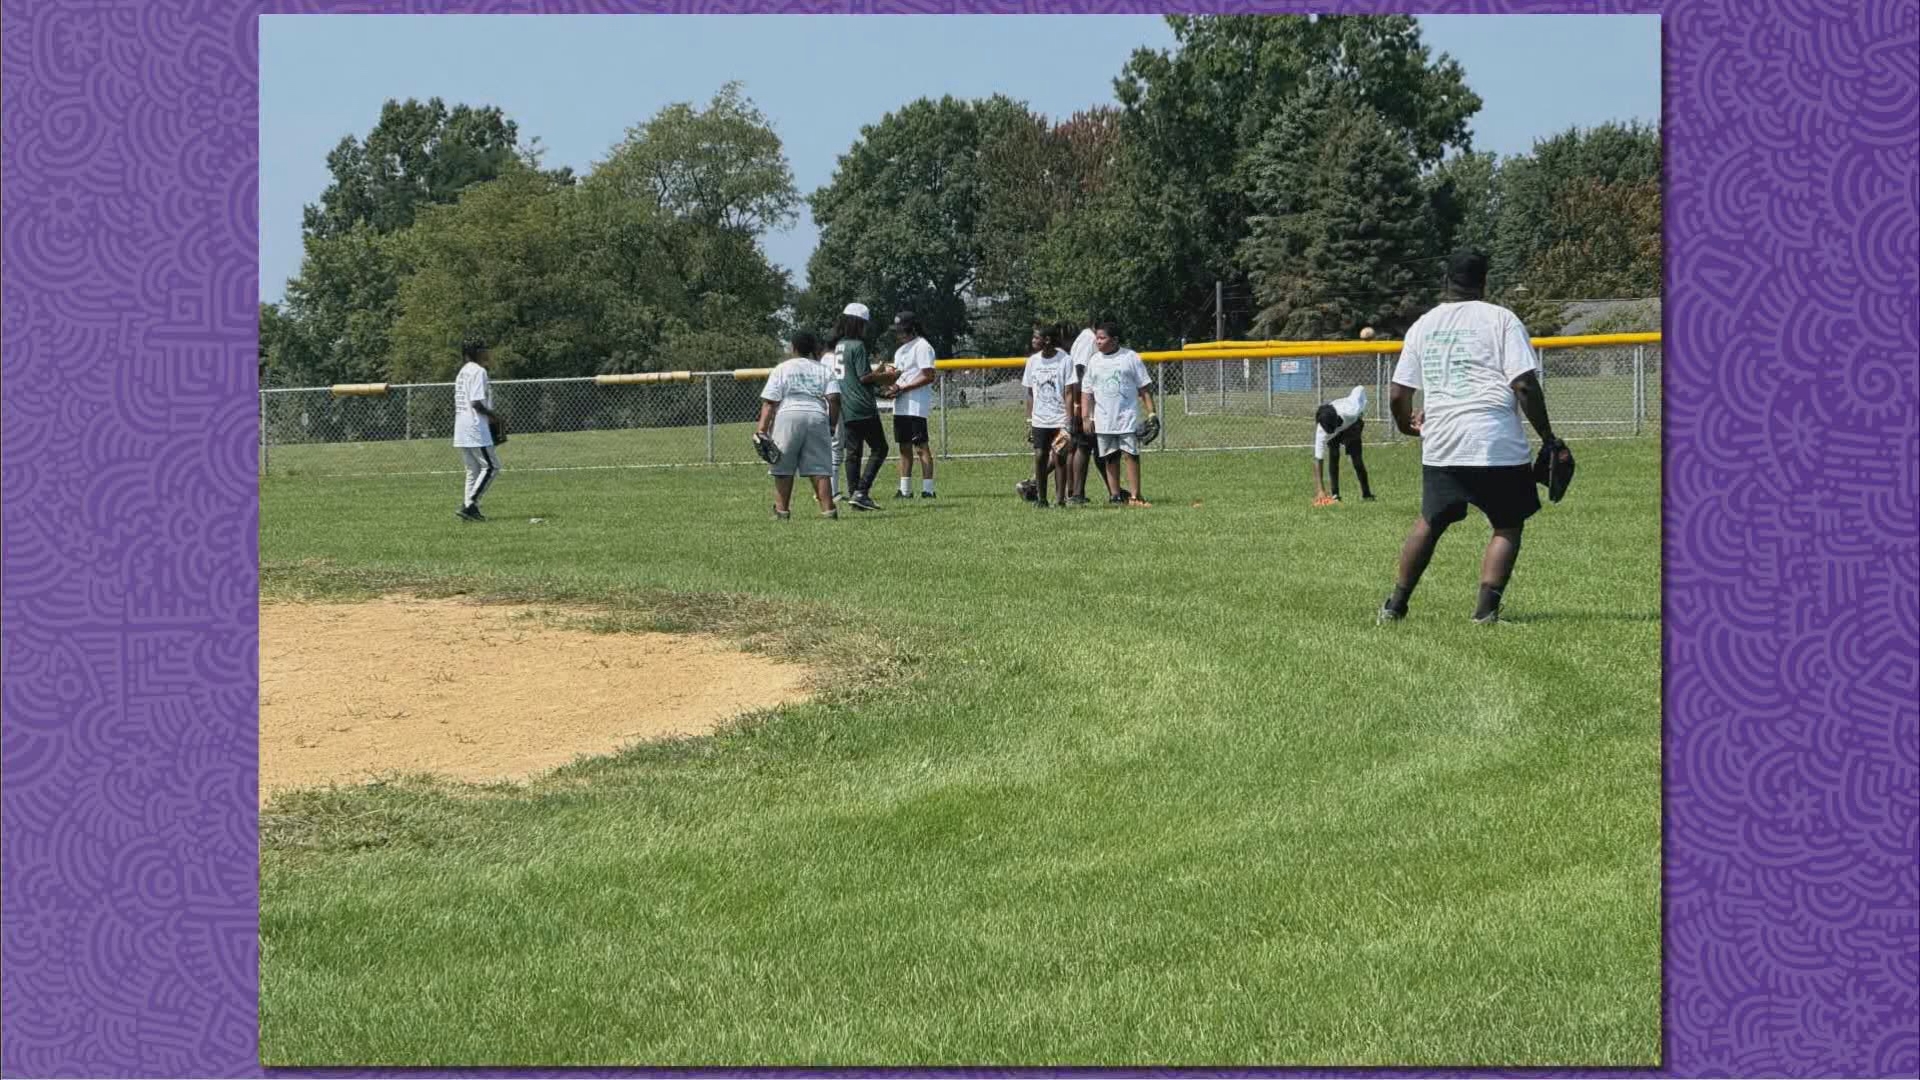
x=906, y=486
x=927, y=486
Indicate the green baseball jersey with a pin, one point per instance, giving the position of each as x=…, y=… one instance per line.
x=856, y=397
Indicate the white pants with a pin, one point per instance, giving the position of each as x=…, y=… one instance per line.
x=839, y=455
x=482, y=466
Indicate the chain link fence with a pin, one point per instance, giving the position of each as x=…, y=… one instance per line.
x=699, y=418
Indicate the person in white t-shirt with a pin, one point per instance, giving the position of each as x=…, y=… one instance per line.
x=1113, y=390
x=1050, y=381
x=912, y=395
x=799, y=409
x=474, y=423
x=1476, y=366
x=1340, y=425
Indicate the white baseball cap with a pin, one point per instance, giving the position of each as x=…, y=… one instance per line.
x=858, y=311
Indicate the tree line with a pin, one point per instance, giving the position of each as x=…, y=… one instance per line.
x=1313, y=171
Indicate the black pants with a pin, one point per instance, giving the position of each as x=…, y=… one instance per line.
x=861, y=436
x=1349, y=440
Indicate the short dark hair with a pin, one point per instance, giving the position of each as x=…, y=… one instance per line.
x=848, y=327
x=805, y=344
x=1107, y=327
x=1467, y=272
x=471, y=348
x=1049, y=333
x=1328, y=418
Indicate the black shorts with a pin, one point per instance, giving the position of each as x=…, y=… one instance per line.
x=1505, y=493
x=1349, y=440
x=910, y=430
x=1043, y=438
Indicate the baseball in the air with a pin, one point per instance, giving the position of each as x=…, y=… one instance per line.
x=1366, y=333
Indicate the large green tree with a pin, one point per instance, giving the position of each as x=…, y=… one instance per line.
x=653, y=261
x=1351, y=241
x=1196, y=115
x=1533, y=192
x=924, y=212
x=336, y=320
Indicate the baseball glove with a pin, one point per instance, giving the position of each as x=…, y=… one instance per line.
x=1026, y=490
x=1150, y=430
x=1062, y=441
x=764, y=446
x=498, y=426
x=1554, y=468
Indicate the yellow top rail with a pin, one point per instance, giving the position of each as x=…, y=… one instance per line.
x=643, y=377
x=1307, y=348
x=1210, y=350
x=375, y=389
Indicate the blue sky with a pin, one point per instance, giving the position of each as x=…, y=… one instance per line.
x=579, y=82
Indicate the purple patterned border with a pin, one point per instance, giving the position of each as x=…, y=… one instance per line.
x=129, y=588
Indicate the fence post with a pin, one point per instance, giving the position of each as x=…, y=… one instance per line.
x=709, y=381
x=1319, y=394
x=1269, y=386
x=1639, y=387
x=263, y=433
x=946, y=451
x=406, y=403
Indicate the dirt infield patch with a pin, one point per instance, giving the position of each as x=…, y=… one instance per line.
x=351, y=692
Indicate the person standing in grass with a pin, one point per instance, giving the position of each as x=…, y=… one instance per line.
x=912, y=402
x=1341, y=425
x=1476, y=365
x=831, y=358
x=1050, y=381
x=1079, y=424
x=474, y=422
x=859, y=412
x=1115, y=387
x=798, y=409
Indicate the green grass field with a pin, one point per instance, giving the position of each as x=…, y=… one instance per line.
x=1095, y=786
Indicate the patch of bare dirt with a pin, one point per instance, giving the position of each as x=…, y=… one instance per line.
x=352, y=692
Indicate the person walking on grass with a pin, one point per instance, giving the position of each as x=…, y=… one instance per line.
x=477, y=429
x=1114, y=389
x=861, y=433
x=798, y=410
x=912, y=402
x=1050, y=381
x=1476, y=365
x=1340, y=425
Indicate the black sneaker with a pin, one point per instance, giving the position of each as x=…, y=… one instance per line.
x=926, y=494
x=1077, y=500
x=1116, y=500
x=862, y=501
x=1488, y=619
x=469, y=513
x=1388, y=615
x=1366, y=498
x=902, y=495
x=783, y=515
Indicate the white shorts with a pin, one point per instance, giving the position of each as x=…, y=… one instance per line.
x=1128, y=444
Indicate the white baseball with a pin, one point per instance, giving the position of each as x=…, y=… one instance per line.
x=1366, y=334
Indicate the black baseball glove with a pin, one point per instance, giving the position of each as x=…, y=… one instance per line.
x=497, y=424
x=1554, y=468
x=764, y=445
x=1150, y=430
